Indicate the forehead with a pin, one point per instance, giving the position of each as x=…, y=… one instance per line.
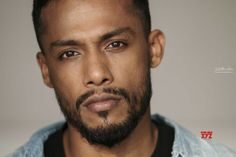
x=86, y=18
x=62, y=11
x=86, y=7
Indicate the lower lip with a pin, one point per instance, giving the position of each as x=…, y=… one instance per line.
x=102, y=105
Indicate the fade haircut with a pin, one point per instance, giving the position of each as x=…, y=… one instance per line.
x=141, y=8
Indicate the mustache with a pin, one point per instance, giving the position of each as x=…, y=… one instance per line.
x=114, y=91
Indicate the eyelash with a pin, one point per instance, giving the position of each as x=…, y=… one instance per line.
x=71, y=54
x=119, y=44
x=110, y=47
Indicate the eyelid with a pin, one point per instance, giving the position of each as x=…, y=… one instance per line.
x=124, y=42
x=66, y=51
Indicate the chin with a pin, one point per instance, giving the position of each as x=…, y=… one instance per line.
x=109, y=130
x=113, y=116
x=104, y=118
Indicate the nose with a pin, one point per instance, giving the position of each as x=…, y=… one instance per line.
x=97, y=71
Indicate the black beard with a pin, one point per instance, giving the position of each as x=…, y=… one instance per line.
x=111, y=134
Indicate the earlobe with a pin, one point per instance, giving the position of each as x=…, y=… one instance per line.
x=156, y=43
x=44, y=69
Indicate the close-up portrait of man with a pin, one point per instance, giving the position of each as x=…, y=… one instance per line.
x=97, y=56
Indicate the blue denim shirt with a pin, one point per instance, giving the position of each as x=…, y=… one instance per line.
x=185, y=143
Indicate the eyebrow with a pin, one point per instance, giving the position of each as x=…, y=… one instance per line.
x=117, y=31
x=71, y=42
x=65, y=43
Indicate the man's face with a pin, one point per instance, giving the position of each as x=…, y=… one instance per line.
x=97, y=60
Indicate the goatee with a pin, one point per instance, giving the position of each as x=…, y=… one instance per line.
x=110, y=134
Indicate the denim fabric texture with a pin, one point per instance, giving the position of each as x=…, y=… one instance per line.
x=185, y=143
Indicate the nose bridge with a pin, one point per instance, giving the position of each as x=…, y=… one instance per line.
x=97, y=63
x=96, y=69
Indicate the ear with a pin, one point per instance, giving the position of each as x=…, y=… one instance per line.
x=156, y=44
x=44, y=69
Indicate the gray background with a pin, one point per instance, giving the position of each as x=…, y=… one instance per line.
x=201, y=38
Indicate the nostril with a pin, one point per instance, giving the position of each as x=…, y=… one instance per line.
x=98, y=83
x=90, y=82
x=105, y=80
x=97, y=76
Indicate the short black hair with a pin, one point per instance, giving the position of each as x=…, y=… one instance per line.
x=141, y=7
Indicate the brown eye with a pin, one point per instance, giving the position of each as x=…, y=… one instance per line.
x=116, y=45
x=69, y=54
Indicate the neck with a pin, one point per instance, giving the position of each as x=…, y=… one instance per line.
x=141, y=142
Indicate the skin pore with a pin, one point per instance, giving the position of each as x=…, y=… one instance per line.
x=93, y=45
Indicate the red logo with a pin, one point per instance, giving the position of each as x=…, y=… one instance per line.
x=206, y=134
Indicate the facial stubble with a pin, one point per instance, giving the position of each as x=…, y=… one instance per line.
x=110, y=134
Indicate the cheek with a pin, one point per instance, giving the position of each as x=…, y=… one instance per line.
x=131, y=69
x=66, y=81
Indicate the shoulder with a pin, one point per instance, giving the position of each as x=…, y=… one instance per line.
x=34, y=147
x=186, y=144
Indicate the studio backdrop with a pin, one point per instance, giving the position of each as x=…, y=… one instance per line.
x=195, y=85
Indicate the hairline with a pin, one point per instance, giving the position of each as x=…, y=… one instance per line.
x=131, y=8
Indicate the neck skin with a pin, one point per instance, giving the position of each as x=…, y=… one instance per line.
x=141, y=142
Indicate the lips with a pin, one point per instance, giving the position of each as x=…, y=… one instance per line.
x=101, y=103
